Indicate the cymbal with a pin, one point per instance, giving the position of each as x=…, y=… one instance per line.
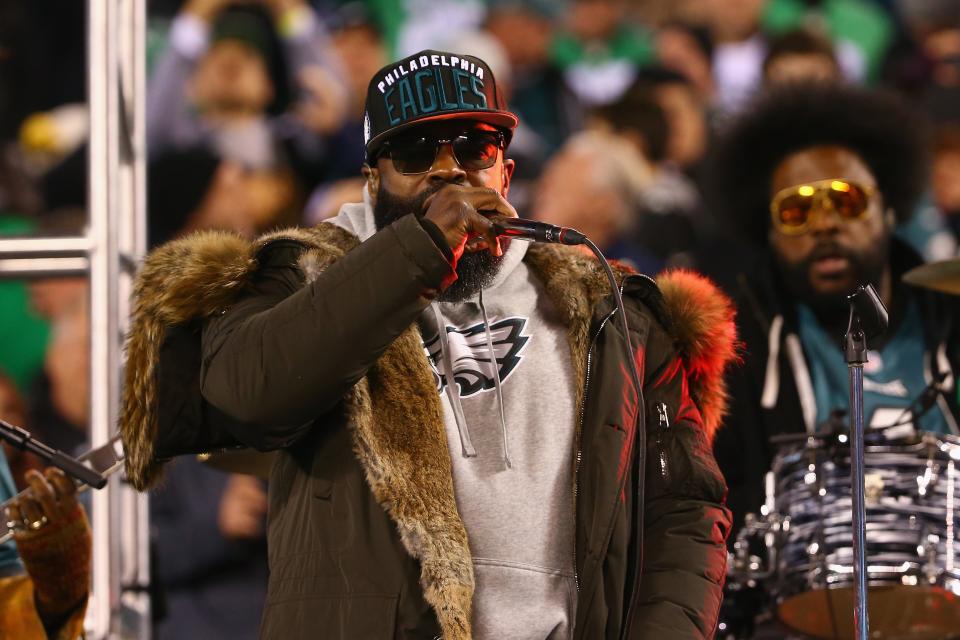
x=941, y=276
x=247, y=461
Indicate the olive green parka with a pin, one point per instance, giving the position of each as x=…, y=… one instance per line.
x=305, y=342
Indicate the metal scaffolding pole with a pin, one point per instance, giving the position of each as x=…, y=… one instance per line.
x=116, y=90
x=134, y=508
x=119, y=606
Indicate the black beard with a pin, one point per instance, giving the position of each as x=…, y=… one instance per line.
x=832, y=309
x=474, y=270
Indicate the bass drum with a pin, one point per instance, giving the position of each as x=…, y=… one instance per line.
x=911, y=488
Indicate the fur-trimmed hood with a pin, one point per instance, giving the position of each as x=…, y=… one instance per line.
x=196, y=277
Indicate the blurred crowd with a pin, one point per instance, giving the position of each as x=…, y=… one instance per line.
x=255, y=121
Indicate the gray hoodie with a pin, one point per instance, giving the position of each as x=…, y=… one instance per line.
x=510, y=432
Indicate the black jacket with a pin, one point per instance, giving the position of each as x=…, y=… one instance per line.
x=310, y=347
x=771, y=394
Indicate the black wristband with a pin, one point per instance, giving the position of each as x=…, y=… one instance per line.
x=438, y=238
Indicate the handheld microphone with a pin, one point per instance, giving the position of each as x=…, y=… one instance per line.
x=537, y=231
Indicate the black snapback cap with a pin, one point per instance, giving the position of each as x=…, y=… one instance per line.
x=432, y=85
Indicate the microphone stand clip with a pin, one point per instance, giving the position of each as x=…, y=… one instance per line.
x=21, y=439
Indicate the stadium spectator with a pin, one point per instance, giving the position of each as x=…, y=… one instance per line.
x=525, y=29
x=260, y=88
x=800, y=56
x=209, y=536
x=193, y=189
x=593, y=184
x=670, y=223
x=601, y=50
x=861, y=31
x=738, y=49
x=687, y=50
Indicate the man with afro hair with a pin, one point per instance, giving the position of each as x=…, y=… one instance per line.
x=816, y=177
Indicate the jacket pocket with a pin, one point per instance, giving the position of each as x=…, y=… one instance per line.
x=322, y=488
x=346, y=617
x=331, y=513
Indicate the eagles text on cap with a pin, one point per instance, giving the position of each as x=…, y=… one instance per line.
x=432, y=85
x=423, y=85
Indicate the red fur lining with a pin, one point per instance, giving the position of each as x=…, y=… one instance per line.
x=701, y=319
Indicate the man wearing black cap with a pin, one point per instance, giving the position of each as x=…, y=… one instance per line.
x=454, y=423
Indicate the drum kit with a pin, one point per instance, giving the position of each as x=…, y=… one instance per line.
x=791, y=570
x=803, y=534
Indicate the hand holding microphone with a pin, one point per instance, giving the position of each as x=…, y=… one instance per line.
x=474, y=218
x=456, y=210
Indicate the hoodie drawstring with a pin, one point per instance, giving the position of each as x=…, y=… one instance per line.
x=453, y=391
x=496, y=380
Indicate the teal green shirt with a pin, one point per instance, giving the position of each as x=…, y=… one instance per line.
x=9, y=559
x=892, y=379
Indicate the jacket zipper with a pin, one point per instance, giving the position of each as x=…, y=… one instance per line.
x=663, y=424
x=576, y=468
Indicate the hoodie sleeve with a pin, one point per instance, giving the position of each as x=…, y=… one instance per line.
x=287, y=351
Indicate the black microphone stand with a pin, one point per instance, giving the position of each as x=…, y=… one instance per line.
x=22, y=440
x=868, y=317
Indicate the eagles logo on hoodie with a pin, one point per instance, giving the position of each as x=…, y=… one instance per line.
x=471, y=357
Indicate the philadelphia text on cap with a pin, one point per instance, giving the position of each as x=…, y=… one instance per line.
x=438, y=83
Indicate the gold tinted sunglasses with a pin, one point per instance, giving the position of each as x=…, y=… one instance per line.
x=792, y=209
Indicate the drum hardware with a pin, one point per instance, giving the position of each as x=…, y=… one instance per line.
x=797, y=552
x=943, y=276
x=868, y=319
x=872, y=488
x=929, y=551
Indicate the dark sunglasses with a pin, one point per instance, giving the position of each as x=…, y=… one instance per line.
x=473, y=151
x=793, y=208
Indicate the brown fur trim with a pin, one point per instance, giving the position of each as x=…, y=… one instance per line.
x=181, y=280
x=400, y=440
x=701, y=319
x=399, y=436
x=575, y=284
x=698, y=316
x=188, y=279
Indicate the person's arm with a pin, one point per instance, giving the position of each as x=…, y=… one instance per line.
x=170, y=120
x=740, y=445
x=685, y=521
x=305, y=40
x=320, y=95
x=287, y=352
x=282, y=355
x=50, y=600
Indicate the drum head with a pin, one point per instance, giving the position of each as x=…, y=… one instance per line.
x=901, y=612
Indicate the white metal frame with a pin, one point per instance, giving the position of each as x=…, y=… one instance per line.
x=119, y=606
